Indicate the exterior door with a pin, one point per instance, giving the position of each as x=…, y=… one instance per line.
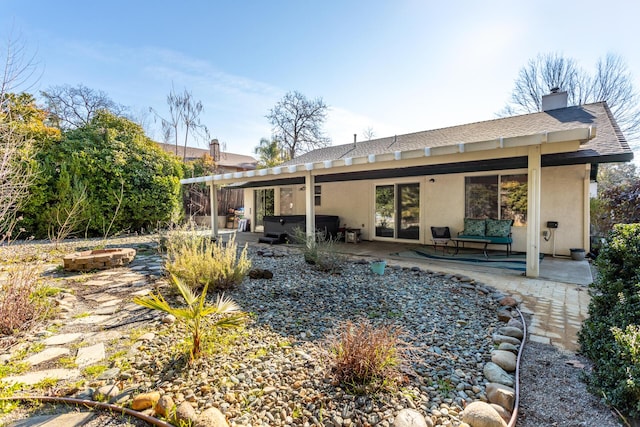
x=264, y=206
x=397, y=211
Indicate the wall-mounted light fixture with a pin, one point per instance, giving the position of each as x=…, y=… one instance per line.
x=432, y=180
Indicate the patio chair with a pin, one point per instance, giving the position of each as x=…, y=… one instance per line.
x=440, y=236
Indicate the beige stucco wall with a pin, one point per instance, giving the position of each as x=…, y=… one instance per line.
x=442, y=204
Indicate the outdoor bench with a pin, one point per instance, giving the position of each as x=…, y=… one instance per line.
x=486, y=231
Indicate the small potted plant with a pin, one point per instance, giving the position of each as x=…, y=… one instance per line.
x=378, y=266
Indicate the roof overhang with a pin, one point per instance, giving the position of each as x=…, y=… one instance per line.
x=500, y=153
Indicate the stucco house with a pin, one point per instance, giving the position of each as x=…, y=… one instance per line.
x=535, y=169
x=225, y=161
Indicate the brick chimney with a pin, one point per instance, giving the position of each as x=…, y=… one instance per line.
x=214, y=150
x=556, y=99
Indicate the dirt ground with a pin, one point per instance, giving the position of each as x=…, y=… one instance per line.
x=553, y=393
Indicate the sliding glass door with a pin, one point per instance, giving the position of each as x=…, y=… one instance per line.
x=397, y=212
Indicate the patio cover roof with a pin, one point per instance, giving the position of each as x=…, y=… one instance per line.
x=430, y=152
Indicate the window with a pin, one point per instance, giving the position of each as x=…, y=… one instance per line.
x=497, y=196
x=286, y=201
x=317, y=195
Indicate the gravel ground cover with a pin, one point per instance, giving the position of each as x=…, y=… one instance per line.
x=276, y=371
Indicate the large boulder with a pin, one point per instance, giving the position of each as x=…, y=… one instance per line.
x=481, y=414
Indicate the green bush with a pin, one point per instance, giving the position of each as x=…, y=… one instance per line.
x=201, y=263
x=121, y=170
x=609, y=337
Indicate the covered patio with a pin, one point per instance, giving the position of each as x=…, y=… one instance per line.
x=557, y=300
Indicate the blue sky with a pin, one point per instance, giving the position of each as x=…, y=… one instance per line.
x=395, y=66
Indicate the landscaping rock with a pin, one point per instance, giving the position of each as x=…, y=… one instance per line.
x=497, y=338
x=504, y=414
x=106, y=392
x=211, y=417
x=481, y=414
x=505, y=359
x=508, y=302
x=411, y=418
x=502, y=395
x=186, y=414
x=145, y=401
x=165, y=406
x=495, y=374
x=510, y=331
x=508, y=347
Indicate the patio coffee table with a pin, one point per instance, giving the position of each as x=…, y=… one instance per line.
x=457, y=241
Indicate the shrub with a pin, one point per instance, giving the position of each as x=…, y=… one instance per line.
x=367, y=358
x=195, y=312
x=130, y=182
x=320, y=251
x=609, y=337
x=199, y=262
x=21, y=300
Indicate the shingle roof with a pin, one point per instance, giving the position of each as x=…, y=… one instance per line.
x=608, y=145
x=230, y=160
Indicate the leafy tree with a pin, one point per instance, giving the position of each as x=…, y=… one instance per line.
x=611, y=82
x=618, y=200
x=269, y=153
x=297, y=123
x=74, y=107
x=121, y=170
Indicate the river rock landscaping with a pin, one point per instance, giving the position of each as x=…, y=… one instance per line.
x=276, y=371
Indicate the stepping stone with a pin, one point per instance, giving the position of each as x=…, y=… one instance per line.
x=49, y=353
x=103, y=336
x=99, y=297
x=138, y=267
x=89, y=320
x=111, y=302
x=62, y=339
x=106, y=311
x=141, y=293
x=61, y=420
x=97, y=282
x=90, y=355
x=35, y=377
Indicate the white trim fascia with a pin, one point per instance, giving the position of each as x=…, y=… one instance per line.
x=581, y=134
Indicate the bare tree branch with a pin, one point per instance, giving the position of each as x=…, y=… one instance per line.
x=74, y=107
x=611, y=82
x=297, y=123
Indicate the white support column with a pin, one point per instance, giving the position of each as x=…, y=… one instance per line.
x=309, y=196
x=533, y=211
x=586, y=227
x=214, y=209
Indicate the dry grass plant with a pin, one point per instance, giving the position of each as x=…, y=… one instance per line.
x=22, y=302
x=367, y=358
x=320, y=251
x=200, y=262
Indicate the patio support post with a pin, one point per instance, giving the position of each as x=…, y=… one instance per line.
x=533, y=211
x=309, y=195
x=214, y=209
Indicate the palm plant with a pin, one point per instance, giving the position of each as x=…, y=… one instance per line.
x=195, y=312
